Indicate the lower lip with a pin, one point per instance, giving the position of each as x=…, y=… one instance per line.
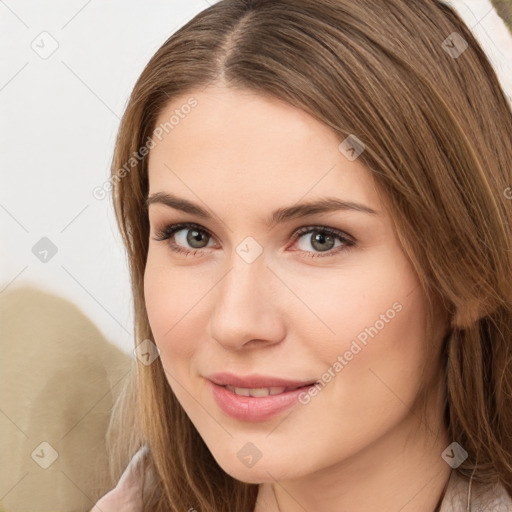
x=254, y=408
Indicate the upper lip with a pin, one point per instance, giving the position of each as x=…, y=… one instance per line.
x=256, y=381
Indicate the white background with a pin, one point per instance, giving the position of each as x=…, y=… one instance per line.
x=59, y=119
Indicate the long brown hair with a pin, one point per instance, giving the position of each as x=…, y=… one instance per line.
x=437, y=130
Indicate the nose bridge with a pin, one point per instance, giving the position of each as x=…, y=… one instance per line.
x=248, y=270
x=245, y=302
x=245, y=283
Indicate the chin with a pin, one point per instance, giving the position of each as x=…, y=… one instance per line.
x=262, y=471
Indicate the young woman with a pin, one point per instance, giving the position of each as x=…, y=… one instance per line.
x=315, y=198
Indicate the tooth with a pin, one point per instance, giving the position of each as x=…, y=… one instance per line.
x=259, y=391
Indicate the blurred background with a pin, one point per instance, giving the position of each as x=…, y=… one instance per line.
x=504, y=9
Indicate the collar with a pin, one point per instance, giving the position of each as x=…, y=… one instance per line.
x=466, y=495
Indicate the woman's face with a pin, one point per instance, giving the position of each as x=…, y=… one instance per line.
x=322, y=295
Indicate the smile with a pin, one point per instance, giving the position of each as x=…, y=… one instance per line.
x=255, y=404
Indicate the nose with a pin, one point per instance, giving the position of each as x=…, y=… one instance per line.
x=248, y=306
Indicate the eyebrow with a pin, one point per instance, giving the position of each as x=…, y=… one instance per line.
x=327, y=204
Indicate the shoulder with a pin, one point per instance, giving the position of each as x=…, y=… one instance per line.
x=482, y=498
x=127, y=494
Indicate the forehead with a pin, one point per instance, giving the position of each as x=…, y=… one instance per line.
x=250, y=148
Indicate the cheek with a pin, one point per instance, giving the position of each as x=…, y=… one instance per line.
x=170, y=303
x=363, y=304
x=157, y=298
x=378, y=315
x=377, y=365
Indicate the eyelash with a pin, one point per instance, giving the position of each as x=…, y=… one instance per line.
x=168, y=231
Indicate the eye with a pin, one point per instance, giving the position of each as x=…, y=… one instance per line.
x=321, y=239
x=192, y=234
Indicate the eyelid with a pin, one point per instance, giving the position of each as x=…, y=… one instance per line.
x=324, y=229
x=171, y=228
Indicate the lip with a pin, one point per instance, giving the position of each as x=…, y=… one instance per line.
x=254, y=409
x=256, y=381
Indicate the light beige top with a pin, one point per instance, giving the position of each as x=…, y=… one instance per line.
x=460, y=496
x=463, y=497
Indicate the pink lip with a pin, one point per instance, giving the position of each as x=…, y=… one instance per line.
x=255, y=381
x=248, y=408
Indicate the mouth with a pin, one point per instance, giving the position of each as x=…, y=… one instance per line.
x=256, y=404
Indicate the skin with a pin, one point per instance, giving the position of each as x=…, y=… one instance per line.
x=359, y=443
